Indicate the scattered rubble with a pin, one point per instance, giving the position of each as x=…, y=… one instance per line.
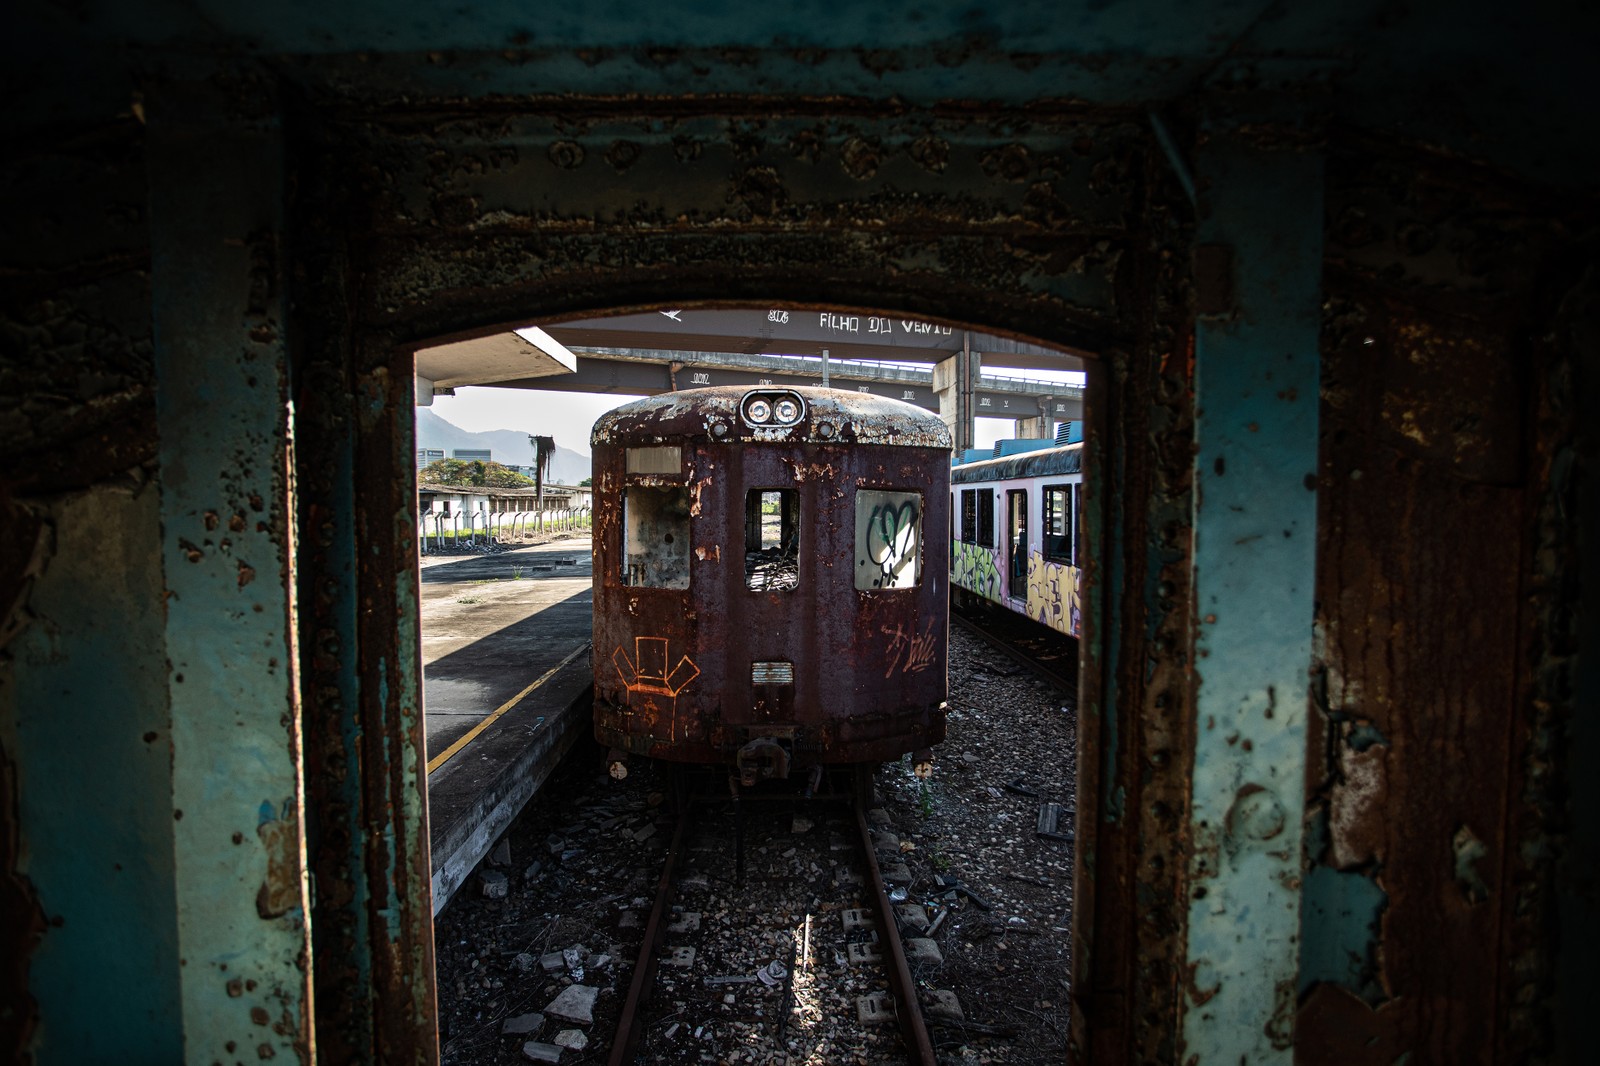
x=564, y=933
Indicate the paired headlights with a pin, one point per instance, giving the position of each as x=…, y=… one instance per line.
x=775, y=409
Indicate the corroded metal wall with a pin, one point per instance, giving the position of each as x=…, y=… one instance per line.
x=1445, y=543
x=85, y=724
x=1431, y=823
x=1041, y=224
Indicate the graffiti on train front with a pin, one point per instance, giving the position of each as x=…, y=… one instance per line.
x=1053, y=596
x=976, y=569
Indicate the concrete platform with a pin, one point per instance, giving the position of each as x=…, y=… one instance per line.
x=506, y=678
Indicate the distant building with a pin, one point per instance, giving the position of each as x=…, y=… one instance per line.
x=428, y=455
x=471, y=454
x=450, y=500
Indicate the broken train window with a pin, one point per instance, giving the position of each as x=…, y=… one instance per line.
x=888, y=539
x=771, y=539
x=655, y=547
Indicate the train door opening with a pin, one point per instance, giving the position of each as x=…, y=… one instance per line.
x=1017, y=545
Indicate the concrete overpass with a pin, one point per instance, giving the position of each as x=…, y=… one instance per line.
x=665, y=351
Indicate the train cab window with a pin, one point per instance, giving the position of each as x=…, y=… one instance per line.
x=655, y=527
x=888, y=539
x=1058, y=523
x=771, y=539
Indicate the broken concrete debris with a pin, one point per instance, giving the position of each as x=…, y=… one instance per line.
x=574, y=1004
x=522, y=1025
x=534, y=1051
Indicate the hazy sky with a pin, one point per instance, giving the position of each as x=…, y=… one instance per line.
x=566, y=416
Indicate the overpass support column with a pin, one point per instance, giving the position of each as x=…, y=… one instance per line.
x=1257, y=272
x=954, y=381
x=1039, y=426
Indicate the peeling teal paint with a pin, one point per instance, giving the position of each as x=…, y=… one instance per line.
x=1342, y=911
x=84, y=716
x=1364, y=735
x=1256, y=394
x=221, y=403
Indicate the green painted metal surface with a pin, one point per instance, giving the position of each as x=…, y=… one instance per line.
x=1254, y=552
x=221, y=401
x=83, y=702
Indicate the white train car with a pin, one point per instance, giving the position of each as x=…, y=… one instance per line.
x=1014, y=538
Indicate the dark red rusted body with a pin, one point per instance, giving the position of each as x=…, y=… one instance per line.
x=674, y=667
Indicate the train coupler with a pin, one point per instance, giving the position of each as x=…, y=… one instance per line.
x=763, y=759
x=617, y=764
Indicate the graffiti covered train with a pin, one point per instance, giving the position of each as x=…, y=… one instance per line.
x=1014, y=540
x=769, y=579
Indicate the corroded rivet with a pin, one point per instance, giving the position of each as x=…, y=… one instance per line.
x=860, y=158
x=622, y=155
x=567, y=155
x=933, y=153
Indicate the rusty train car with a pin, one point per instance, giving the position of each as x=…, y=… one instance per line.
x=770, y=579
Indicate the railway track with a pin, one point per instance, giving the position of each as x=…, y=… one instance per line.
x=771, y=912
x=1052, y=656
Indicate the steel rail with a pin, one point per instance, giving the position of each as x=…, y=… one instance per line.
x=1015, y=652
x=631, y=1024
x=912, y=1026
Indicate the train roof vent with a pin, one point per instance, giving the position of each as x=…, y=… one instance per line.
x=1017, y=447
x=1069, y=432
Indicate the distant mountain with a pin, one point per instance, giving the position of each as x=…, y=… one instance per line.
x=507, y=446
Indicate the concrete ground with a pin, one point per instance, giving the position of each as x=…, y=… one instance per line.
x=506, y=676
x=491, y=624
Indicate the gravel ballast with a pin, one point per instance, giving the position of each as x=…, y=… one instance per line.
x=585, y=856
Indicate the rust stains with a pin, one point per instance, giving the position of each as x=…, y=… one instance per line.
x=280, y=891
x=1424, y=673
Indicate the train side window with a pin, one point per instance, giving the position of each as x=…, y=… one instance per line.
x=655, y=548
x=1058, y=525
x=969, y=516
x=888, y=539
x=771, y=540
x=986, y=517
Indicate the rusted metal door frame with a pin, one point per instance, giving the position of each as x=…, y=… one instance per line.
x=376, y=286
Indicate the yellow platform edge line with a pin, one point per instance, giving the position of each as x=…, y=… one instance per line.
x=449, y=753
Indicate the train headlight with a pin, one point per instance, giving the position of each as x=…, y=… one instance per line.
x=772, y=409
